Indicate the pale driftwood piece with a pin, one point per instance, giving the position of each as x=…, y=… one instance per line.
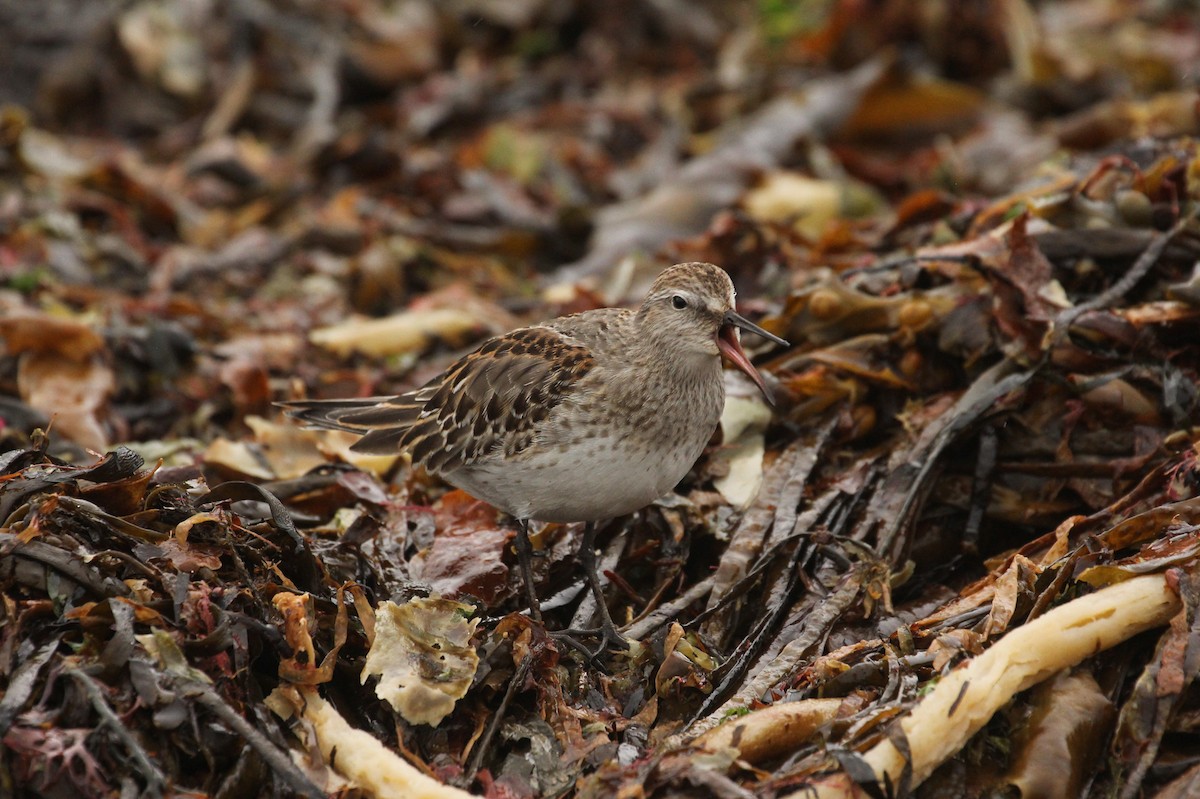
x=964, y=700
x=361, y=758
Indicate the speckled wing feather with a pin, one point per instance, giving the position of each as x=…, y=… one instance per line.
x=492, y=399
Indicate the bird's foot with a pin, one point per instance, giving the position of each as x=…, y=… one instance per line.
x=610, y=637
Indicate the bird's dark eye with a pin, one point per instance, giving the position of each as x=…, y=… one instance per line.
x=678, y=302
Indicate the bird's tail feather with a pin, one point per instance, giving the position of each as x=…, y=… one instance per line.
x=381, y=421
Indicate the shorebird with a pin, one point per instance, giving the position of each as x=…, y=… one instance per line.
x=578, y=419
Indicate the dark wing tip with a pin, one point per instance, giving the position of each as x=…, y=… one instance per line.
x=359, y=415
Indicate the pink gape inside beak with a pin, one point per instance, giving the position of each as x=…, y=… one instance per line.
x=731, y=348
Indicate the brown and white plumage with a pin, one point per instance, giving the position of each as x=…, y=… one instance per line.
x=488, y=403
x=584, y=417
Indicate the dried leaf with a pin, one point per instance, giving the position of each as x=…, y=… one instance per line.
x=423, y=657
x=467, y=554
x=742, y=425
x=1063, y=738
x=409, y=331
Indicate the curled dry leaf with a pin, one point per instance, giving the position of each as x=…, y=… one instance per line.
x=743, y=423
x=1063, y=738
x=1016, y=581
x=238, y=459
x=296, y=610
x=408, y=331
x=684, y=667
x=809, y=203
x=284, y=451
x=74, y=394
x=774, y=730
x=299, y=623
x=63, y=371
x=423, y=657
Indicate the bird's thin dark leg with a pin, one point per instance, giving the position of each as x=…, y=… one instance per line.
x=525, y=556
x=587, y=559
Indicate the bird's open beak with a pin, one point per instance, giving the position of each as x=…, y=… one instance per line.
x=731, y=347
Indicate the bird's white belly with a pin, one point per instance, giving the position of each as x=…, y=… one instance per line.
x=597, y=479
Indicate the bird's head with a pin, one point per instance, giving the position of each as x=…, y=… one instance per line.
x=691, y=309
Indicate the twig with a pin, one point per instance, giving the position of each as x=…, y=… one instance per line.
x=1116, y=291
x=668, y=612
x=985, y=466
x=484, y=742
x=271, y=754
x=155, y=781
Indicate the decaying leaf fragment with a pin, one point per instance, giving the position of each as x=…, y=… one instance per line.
x=466, y=557
x=64, y=371
x=773, y=730
x=743, y=423
x=1063, y=738
x=423, y=657
x=285, y=450
x=395, y=335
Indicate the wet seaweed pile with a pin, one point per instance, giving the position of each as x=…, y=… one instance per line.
x=958, y=556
